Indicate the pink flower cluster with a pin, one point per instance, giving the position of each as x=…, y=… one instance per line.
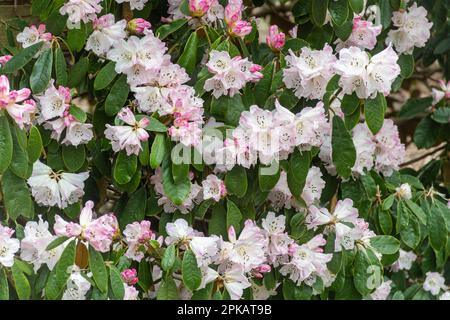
x=230, y=74
x=54, y=107
x=309, y=73
x=99, y=233
x=159, y=86
x=272, y=135
x=10, y=99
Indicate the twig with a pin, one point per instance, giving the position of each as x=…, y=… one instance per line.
x=407, y=163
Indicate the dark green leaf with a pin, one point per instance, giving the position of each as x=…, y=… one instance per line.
x=117, y=96
x=98, y=269
x=42, y=72
x=343, y=149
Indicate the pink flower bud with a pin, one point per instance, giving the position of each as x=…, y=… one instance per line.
x=138, y=25
x=198, y=8
x=130, y=276
x=263, y=268
x=4, y=59
x=275, y=39
x=233, y=12
x=241, y=28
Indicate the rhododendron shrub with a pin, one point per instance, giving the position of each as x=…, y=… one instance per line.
x=189, y=150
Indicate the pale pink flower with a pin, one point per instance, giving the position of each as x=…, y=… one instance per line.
x=8, y=247
x=364, y=35
x=80, y=11
x=131, y=293
x=405, y=260
x=413, y=29
x=434, y=283
x=32, y=35
x=134, y=4
x=106, y=33
x=98, y=232
x=438, y=94
x=382, y=292
x=10, y=99
x=307, y=260
x=365, y=149
x=128, y=137
x=309, y=73
x=230, y=74
x=249, y=249
x=389, y=152
x=213, y=188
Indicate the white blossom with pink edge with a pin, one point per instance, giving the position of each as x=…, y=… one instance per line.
x=8, y=246
x=32, y=35
x=10, y=99
x=434, y=283
x=80, y=11
x=128, y=137
x=389, y=152
x=77, y=285
x=106, y=33
x=344, y=213
x=367, y=75
x=382, y=291
x=59, y=189
x=413, y=29
x=309, y=73
x=404, y=261
x=33, y=247
x=307, y=260
x=364, y=35
x=213, y=188
x=248, y=250
x=229, y=74
x=139, y=58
